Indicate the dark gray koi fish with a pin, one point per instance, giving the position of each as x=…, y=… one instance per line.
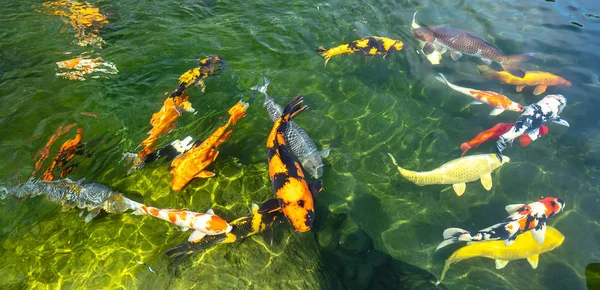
x=93, y=197
x=460, y=42
x=301, y=145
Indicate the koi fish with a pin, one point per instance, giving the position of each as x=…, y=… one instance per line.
x=301, y=145
x=192, y=163
x=532, y=119
x=460, y=42
x=162, y=122
x=85, y=19
x=294, y=194
x=44, y=153
x=202, y=223
x=522, y=218
x=67, y=151
x=367, y=46
x=261, y=219
x=541, y=80
x=495, y=132
x=525, y=247
x=208, y=67
x=77, y=68
x=93, y=197
x=499, y=102
x=456, y=172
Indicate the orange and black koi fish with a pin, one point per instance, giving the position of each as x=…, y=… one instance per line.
x=367, y=46
x=67, y=151
x=261, y=219
x=41, y=156
x=208, y=67
x=294, y=194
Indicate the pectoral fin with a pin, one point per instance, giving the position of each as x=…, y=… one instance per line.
x=196, y=236
x=486, y=181
x=510, y=241
x=520, y=88
x=513, y=207
x=539, y=89
x=561, y=121
x=475, y=103
x=533, y=261
x=267, y=236
x=428, y=48
x=486, y=61
x=501, y=264
x=496, y=112
x=455, y=55
x=325, y=153
x=315, y=187
x=205, y=174
x=539, y=233
x=459, y=188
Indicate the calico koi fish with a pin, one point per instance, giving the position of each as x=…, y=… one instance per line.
x=301, y=145
x=261, y=219
x=202, y=223
x=525, y=247
x=460, y=42
x=499, y=102
x=192, y=163
x=294, y=194
x=494, y=133
x=532, y=119
x=367, y=46
x=522, y=218
x=541, y=80
x=456, y=172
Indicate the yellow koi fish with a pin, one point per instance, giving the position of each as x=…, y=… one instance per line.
x=538, y=79
x=525, y=247
x=457, y=172
x=367, y=46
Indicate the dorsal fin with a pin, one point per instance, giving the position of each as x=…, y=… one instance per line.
x=210, y=211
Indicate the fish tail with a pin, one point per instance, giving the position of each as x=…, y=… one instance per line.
x=465, y=147
x=237, y=112
x=511, y=65
x=408, y=174
x=181, y=252
x=262, y=89
x=443, y=79
x=293, y=108
x=454, y=235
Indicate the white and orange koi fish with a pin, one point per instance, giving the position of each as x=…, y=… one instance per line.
x=202, y=223
x=499, y=102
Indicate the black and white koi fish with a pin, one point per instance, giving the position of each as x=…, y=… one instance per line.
x=301, y=145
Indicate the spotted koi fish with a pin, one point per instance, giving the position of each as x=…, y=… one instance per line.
x=495, y=132
x=261, y=219
x=499, y=102
x=202, y=223
x=367, y=46
x=523, y=217
x=192, y=163
x=294, y=194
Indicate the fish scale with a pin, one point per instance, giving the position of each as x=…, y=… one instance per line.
x=465, y=169
x=469, y=43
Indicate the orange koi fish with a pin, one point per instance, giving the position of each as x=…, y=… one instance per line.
x=294, y=194
x=497, y=131
x=45, y=152
x=541, y=80
x=202, y=223
x=367, y=46
x=85, y=19
x=67, y=151
x=499, y=102
x=192, y=163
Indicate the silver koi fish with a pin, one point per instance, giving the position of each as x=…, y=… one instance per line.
x=297, y=139
x=93, y=197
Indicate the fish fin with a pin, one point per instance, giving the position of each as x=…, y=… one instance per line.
x=454, y=235
x=510, y=241
x=323, y=52
x=459, y=188
x=496, y=112
x=475, y=102
x=196, y=236
x=268, y=206
x=539, y=89
x=464, y=147
x=486, y=181
x=561, y=121
x=533, y=261
x=501, y=264
x=455, y=54
x=428, y=48
x=539, y=233
x=453, y=232
x=205, y=174
x=513, y=62
x=267, y=236
x=90, y=216
x=210, y=211
x=513, y=207
x=486, y=61
x=442, y=79
x=184, y=229
x=315, y=187
x=254, y=207
x=520, y=88
x=524, y=140
x=325, y=153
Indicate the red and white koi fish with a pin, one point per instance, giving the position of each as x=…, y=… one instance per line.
x=523, y=217
x=499, y=102
x=202, y=223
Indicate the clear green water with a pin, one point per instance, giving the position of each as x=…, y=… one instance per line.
x=361, y=109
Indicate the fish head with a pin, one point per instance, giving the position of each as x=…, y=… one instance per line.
x=553, y=205
x=555, y=102
x=217, y=225
x=515, y=107
x=423, y=34
x=300, y=213
x=314, y=166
